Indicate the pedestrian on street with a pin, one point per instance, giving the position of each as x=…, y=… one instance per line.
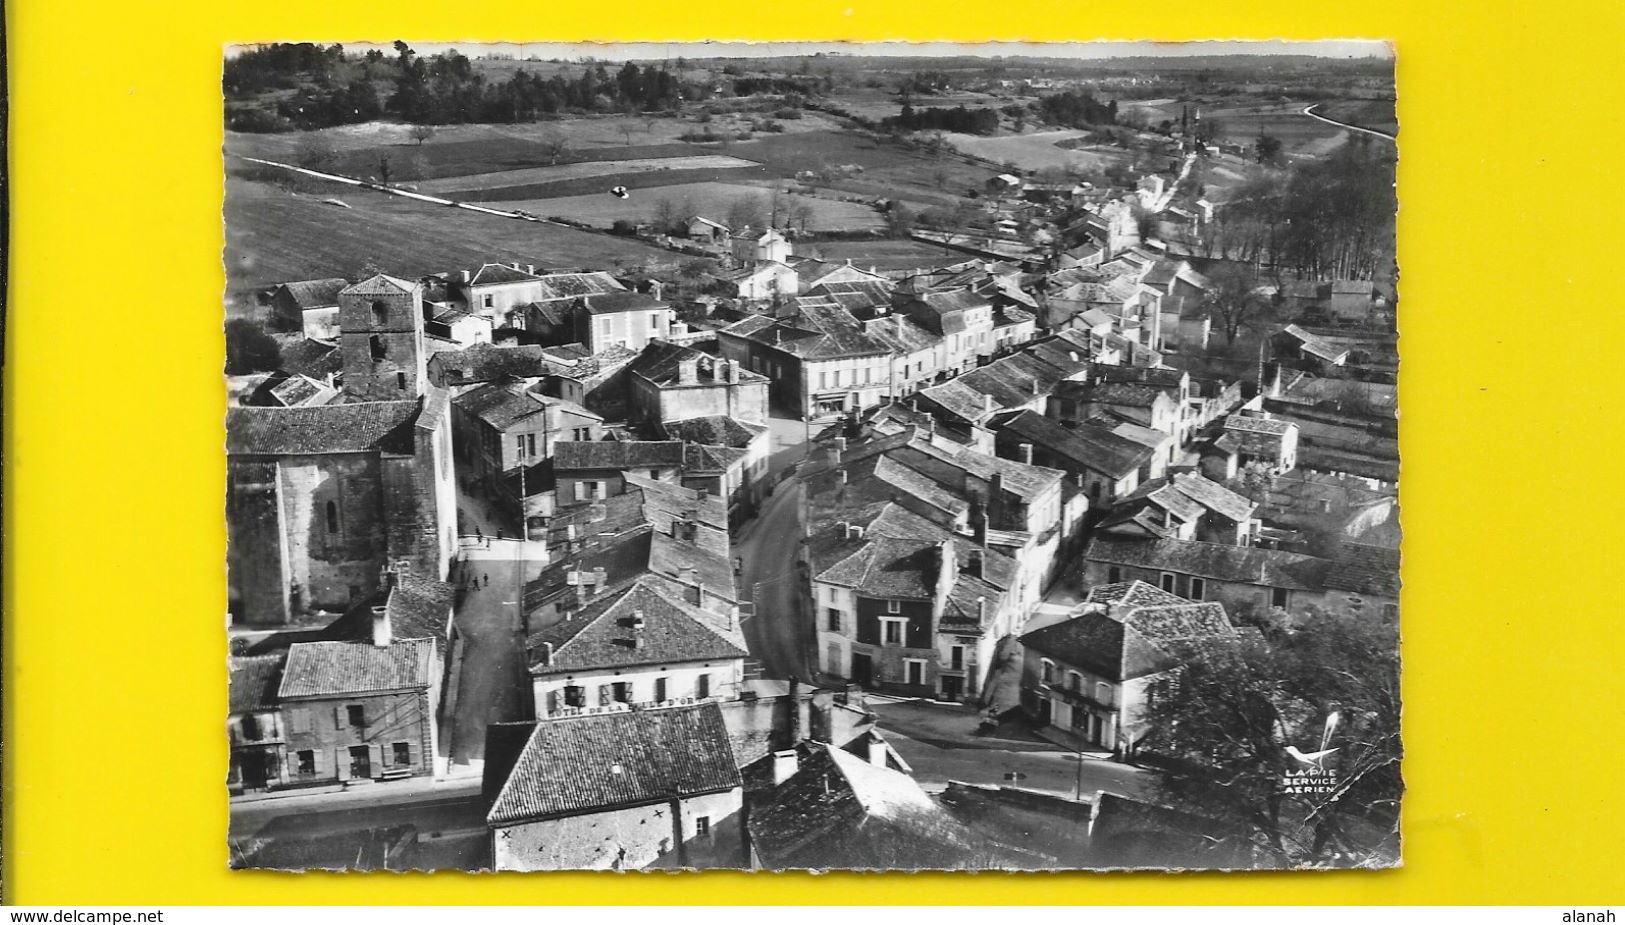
x=486, y=580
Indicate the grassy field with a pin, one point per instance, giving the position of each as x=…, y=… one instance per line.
x=711, y=200
x=1038, y=150
x=613, y=168
x=1299, y=134
x=1372, y=114
x=883, y=103
x=883, y=254
x=273, y=235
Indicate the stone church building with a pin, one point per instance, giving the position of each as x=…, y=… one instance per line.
x=322, y=500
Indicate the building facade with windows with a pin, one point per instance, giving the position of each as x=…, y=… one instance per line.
x=636, y=646
x=501, y=426
x=360, y=710
x=646, y=788
x=1091, y=677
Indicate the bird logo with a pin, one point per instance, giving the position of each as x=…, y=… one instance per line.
x=1316, y=760
x=620, y=192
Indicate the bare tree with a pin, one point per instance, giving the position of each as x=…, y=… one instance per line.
x=1233, y=298
x=554, y=146
x=667, y=215
x=422, y=133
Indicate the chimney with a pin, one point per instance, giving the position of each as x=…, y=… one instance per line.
x=784, y=765
x=1026, y=450
x=382, y=633
x=796, y=728
x=875, y=747
x=975, y=564
x=987, y=404
x=981, y=611
x=733, y=371
x=545, y=656
x=467, y=276
x=655, y=289
x=637, y=629
x=840, y=446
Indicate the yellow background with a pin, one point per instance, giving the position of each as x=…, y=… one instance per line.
x=1511, y=214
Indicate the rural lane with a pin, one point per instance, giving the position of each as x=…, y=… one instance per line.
x=1310, y=112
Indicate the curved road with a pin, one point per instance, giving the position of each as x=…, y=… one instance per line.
x=1310, y=112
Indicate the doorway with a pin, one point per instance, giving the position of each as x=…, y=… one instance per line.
x=952, y=688
x=862, y=669
x=360, y=761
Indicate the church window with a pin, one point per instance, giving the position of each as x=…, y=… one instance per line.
x=380, y=313
x=377, y=344
x=400, y=381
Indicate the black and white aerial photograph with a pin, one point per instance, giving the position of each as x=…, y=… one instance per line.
x=874, y=456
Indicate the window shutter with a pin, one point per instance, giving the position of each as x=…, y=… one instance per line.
x=318, y=760
x=552, y=702
x=299, y=720
x=341, y=763
x=291, y=763
x=375, y=754
x=410, y=758
x=338, y=717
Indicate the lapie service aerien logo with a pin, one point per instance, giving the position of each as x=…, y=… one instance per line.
x=1310, y=775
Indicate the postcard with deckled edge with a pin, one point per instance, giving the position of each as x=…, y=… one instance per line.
x=812, y=456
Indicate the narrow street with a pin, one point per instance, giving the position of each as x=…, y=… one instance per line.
x=449, y=821
x=939, y=741
x=778, y=634
x=492, y=682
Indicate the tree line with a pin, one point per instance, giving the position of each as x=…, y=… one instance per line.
x=335, y=88
x=936, y=118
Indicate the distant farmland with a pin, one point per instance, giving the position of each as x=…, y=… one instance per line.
x=273, y=235
x=711, y=200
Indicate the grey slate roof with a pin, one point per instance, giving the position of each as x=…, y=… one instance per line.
x=598, y=762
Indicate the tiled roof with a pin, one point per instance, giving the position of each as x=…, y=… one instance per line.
x=602, y=761
x=380, y=284
x=1239, y=564
x=1131, y=640
x=1315, y=345
x=611, y=303
x=604, y=636
x=1247, y=424
x=360, y=427
x=660, y=362
x=1365, y=569
x=699, y=458
x=714, y=430
x=485, y=362
x=1090, y=447
x=1201, y=490
x=317, y=359
x=502, y=403
x=315, y=293
x=570, y=285
x=336, y=669
x=616, y=454
x=496, y=274
x=1132, y=594
x=1130, y=394
x=254, y=682
x=839, y=811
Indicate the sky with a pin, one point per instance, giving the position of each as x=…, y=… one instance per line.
x=1350, y=48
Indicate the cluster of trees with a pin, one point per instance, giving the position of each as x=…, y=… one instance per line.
x=1076, y=108
x=957, y=119
x=334, y=88
x=446, y=88
x=1329, y=218
x=1224, y=724
x=249, y=349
